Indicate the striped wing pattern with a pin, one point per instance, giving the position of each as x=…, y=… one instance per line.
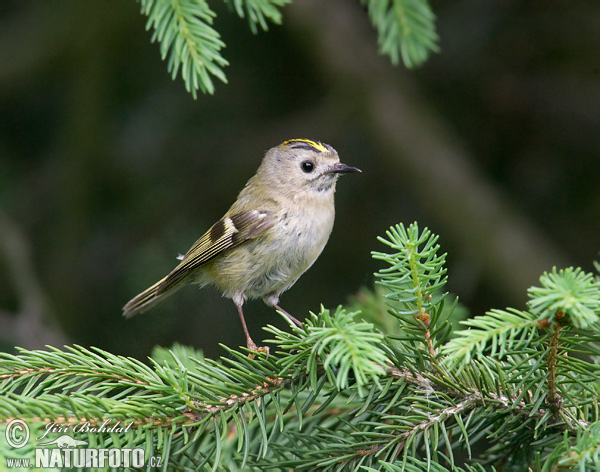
x=228, y=232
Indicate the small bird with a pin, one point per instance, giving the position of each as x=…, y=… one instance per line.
x=270, y=236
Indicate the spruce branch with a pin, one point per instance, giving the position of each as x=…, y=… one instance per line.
x=338, y=394
x=414, y=278
x=406, y=29
x=182, y=27
x=553, y=399
x=494, y=334
x=567, y=291
x=192, y=47
x=190, y=43
x=582, y=454
x=346, y=345
x=258, y=11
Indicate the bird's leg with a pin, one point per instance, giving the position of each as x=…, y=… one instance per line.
x=294, y=320
x=250, y=344
x=272, y=300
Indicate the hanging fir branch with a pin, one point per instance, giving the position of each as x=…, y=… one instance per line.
x=258, y=12
x=187, y=39
x=192, y=47
x=516, y=389
x=406, y=29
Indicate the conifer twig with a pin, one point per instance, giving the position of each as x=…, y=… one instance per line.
x=339, y=394
x=553, y=399
x=476, y=398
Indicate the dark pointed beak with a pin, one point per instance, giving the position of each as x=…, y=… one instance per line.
x=342, y=168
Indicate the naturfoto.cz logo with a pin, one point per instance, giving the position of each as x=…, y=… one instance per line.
x=67, y=452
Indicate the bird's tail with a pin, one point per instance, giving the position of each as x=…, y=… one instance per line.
x=147, y=299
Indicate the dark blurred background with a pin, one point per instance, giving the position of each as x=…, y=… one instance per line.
x=109, y=169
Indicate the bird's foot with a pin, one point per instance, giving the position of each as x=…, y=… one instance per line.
x=254, y=348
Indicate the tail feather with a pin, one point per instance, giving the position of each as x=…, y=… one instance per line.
x=147, y=299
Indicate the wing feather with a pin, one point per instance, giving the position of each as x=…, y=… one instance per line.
x=228, y=232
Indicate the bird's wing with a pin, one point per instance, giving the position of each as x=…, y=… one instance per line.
x=230, y=231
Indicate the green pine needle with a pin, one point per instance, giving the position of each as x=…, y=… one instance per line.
x=494, y=334
x=517, y=390
x=406, y=29
x=334, y=342
x=258, y=12
x=416, y=273
x=569, y=291
x=191, y=45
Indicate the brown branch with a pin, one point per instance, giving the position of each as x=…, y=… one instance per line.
x=467, y=401
x=271, y=384
x=482, y=398
x=554, y=399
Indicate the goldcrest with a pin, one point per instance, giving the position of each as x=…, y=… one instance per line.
x=270, y=236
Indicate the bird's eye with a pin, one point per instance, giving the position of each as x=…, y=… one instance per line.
x=308, y=167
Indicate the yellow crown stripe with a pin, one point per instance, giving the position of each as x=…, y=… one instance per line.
x=315, y=144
